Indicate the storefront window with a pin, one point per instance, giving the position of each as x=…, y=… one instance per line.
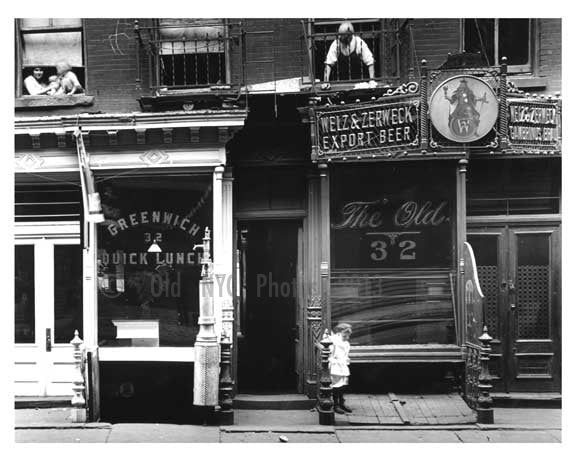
x=24, y=294
x=392, y=239
x=148, y=269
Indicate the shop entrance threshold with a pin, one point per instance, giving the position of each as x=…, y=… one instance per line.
x=406, y=409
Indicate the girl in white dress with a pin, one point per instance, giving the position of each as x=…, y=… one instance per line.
x=339, y=361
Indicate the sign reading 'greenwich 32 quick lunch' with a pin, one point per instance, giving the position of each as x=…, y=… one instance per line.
x=367, y=128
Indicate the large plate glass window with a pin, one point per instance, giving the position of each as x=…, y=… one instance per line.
x=392, y=246
x=148, y=266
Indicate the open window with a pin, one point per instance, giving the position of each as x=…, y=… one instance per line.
x=191, y=52
x=325, y=32
x=42, y=43
x=495, y=38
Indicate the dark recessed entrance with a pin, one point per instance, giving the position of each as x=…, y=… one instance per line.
x=266, y=347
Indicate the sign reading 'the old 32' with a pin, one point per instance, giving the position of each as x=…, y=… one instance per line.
x=463, y=109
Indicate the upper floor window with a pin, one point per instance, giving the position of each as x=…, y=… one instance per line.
x=349, y=53
x=191, y=52
x=495, y=38
x=50, y=56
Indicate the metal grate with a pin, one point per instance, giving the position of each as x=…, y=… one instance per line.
x=533, y=284
x=488, y=276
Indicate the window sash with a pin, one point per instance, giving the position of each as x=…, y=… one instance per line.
x=494, y=53
x=45, y=49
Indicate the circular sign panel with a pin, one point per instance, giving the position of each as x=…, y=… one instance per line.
x=463, y=108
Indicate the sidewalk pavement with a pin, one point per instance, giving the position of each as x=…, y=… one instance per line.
x=534, y=425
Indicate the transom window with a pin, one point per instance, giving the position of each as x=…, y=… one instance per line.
x=495, y=38
x=43, y=44
x=191, y=52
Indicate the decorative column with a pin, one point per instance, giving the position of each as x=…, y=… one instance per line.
x=424, y=107
x=226, y=385
x=325, y=245
x=227, y=258
x=503, y=109
x=78, y=401
x=325, y=403
x=460, y=239
x=218, y=247
x=206, y=345
x=485, y=409
x=313, y=332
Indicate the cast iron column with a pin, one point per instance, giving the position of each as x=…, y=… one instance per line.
x=206, y=345
x=325, y=402
x=485, y=409
x=226, y=383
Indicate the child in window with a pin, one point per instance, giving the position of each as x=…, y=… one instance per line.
x=54, y=86
x=68, y=81
x=339, y=361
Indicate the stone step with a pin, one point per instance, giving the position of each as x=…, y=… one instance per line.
x=273, y=402
x=42, y=402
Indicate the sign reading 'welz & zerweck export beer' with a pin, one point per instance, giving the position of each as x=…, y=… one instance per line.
x=534, y=124
x=365, y=129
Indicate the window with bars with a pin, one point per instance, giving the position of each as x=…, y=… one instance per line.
x=325, y=32
x=191, y=52
x=495, y=38
x=43, y=43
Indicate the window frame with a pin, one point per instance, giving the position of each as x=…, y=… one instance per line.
x=19, y=31
x=529, y=67
x=379, y=58
x=157, y=77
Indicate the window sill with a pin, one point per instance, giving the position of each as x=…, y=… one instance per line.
x=24, y=102
x=528, y=82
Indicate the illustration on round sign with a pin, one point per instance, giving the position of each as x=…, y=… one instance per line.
x=463, y=108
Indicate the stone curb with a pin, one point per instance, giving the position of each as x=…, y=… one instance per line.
x=312, y=429
x=64, y=426
x=293, y=429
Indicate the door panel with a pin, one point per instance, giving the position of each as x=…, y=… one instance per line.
x=519, y=273
x=44, y=364
x=490, y=254
x=533, y=306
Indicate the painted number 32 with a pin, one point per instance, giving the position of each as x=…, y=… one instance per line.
x=380, y=250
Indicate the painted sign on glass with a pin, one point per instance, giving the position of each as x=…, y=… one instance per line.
x=392, y=217
x=148, y=268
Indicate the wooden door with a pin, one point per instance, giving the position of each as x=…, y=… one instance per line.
x=48, y=308
x=519, y=272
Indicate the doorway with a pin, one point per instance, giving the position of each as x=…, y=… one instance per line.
x=519, y=273
x=48, y=308
x=268, y=253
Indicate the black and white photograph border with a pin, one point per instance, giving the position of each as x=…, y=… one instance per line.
x=270, y=228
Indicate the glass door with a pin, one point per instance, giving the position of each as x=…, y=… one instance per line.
x=47, y=310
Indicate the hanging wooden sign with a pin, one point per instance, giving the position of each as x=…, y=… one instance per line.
x=534, y=125
x=366, y=129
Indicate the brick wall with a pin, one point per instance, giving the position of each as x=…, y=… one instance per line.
x=550, y=53
x=266, y=39
x=435, y=38
x=111, y=64
x=274, y=49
